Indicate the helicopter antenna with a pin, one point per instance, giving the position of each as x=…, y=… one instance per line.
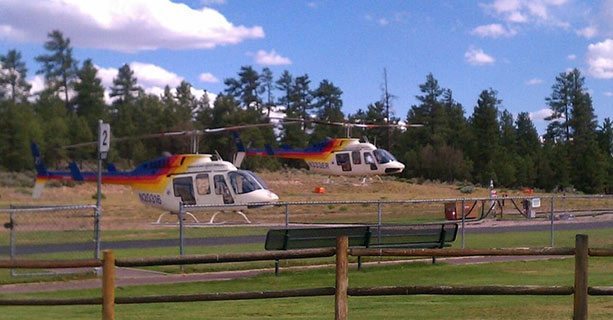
x=387, y=109
x=218, y=155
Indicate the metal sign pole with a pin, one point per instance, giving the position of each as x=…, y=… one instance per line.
x=104, y=141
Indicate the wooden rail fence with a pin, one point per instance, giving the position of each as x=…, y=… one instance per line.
x=341, y=291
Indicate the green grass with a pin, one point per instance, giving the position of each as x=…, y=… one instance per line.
x=169, y=232
x=597, y=238
x=553, y=272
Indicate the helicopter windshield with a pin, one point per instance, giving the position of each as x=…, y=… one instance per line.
x=244, y=181
x=383, y=156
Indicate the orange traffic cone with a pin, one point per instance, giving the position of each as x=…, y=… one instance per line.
x=319, y=190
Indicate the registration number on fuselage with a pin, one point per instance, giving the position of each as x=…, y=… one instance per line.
x=150, y=198
x=318, y=165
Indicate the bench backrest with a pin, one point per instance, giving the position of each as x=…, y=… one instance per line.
x=419, y=236
x=320, y=237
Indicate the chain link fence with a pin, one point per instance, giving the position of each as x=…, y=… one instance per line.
x=48, y=232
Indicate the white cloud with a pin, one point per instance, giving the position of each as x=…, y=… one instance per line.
x=527, y=11
x=383, y=22
x=477, y=57
x=540, y=115
x=608, y=93
x=208, y=78
x=571, y=57
x=494, y=30
x=587, y=32
x=534, y=81
x=150, y=75
x=122, y=25
x=600, y=59
x=38, y=84
x=271, y=58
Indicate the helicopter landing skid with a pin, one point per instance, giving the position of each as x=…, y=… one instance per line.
x=212, y=221
x=159, y=220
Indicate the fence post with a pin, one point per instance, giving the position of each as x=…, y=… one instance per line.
x=580, y=296
x=463, y=221
x=342, y=281
x=551, y=217
x=108, y=285
x=97, y=212
x=286, y=215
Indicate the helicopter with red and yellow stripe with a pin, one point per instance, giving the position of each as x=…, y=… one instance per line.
x=167, y=181
x=336, y=156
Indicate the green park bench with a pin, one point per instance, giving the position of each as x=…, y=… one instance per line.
x=391, y=236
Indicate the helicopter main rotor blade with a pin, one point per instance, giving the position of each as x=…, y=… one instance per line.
x=353, y=124
x=185, y=133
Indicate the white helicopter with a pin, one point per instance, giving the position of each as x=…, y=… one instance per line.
x=336, y=156
x=168, y=181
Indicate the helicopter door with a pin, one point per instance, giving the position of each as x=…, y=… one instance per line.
x=369, y=159
x=342, y=159
x=221, y=188
x=184, y=188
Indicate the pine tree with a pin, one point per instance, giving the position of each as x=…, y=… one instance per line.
x=13, y=73
x=301, y=98
x=267, y=86
x=59, y=66
x=528, y=149
x=285, y=85
x=89, y=96
x=328, y=105
x=567, y=92
x=125, y=88
x=485, y=128
x=246, y=89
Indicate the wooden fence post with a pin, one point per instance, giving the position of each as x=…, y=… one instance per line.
x=580, y=297
x=342, y=281
x=108, y=285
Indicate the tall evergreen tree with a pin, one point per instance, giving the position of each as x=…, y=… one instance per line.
x=485, y=128
x=567, y=92
x=301, y=98
x=59, y=66
x=285, y=85
x=267, y=86
x=89, y=96
x=328, y=105
x=13, y=73
x=528, y=150
x=247, y=88
x=125, y=88
x=605, y=140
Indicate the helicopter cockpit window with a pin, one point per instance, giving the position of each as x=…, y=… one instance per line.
x=184, y=188
x=203, y=186
x=221, y=188
x=243, y=181
x=355, y=156
x=342, y=159
x=383, y=156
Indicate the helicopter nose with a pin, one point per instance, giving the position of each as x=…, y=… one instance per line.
x=273, y=196
x=394, y=167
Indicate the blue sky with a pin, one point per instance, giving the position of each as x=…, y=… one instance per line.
x=516, y=47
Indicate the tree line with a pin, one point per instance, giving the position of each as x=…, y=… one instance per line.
x=492, y=144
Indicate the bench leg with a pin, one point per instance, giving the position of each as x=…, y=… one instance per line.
x=433, y=260
x=277, y=267
x=360, y=263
